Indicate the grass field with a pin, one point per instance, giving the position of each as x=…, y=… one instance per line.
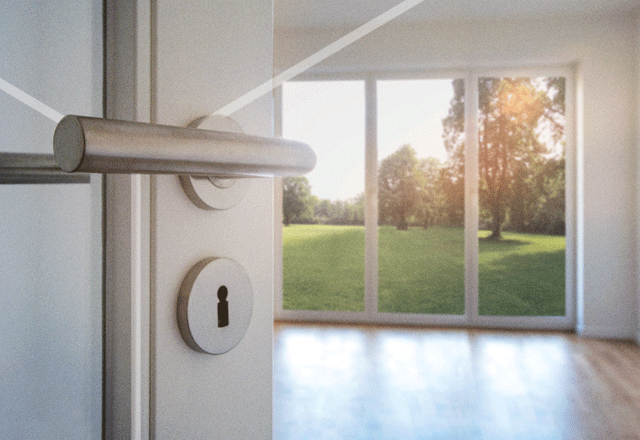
x=421, y=271
x=323, y=267
x=522, y=275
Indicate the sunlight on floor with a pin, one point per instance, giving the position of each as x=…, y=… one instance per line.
x=344, y=382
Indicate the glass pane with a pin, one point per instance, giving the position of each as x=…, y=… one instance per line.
x=421, y=196
x=522, y=196
x=50, y=234
x=323, y=212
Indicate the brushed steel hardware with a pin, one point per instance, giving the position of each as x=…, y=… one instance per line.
x=20, y=168
x=95, y=145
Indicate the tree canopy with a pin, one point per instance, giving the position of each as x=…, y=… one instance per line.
x=296, y=198
x=299, y=205
x=399, y=185
x=520, y=158
x=521, y=121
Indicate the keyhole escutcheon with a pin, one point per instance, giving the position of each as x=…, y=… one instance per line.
x=223, y=307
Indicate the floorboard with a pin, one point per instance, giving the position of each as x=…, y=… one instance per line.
x=362, y=382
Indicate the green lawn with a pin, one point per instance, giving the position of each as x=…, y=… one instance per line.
x=323, y=267
x=522, y=275
x=421, y=271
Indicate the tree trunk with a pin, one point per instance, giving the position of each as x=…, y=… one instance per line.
x=496, y=233
x=402, y=224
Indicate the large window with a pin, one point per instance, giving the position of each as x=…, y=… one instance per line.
x=521, y=162
x=451, y=200
x=323, y=212
x=420, y=200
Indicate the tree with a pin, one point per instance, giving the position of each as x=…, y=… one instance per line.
x=431, y=199
x=348, y=212
x=512, y=113
x=549, y=186
x=452, y=184
x=452, y=175
x=296, y=199
x=323, y=210
x=358, y=209
x=398, y=187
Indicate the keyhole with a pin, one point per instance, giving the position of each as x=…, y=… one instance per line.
x=223, y=307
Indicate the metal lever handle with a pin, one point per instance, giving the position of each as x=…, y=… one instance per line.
x=94, y=145
x=35, y=168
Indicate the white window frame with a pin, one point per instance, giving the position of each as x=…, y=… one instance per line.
x=471, y=317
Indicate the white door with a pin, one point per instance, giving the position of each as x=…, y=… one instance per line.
x=171, y=63
x=166, y=63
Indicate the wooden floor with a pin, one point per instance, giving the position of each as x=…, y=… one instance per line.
x=349, y=382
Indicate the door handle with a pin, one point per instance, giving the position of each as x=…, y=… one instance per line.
x=35, y=168
x=93, y=145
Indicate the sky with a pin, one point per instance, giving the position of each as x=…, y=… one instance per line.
x=329, y=116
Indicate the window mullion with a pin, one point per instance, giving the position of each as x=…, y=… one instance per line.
x=471, y=210
x=371, y=198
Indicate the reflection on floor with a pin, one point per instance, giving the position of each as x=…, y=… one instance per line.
x=350, y=382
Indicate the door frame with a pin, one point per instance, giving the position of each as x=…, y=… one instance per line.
x=127, y=213
x=155, y=384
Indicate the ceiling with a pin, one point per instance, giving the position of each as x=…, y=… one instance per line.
x=316, y=14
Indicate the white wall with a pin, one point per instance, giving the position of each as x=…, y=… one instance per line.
x=50, y=302
x=602, y=50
